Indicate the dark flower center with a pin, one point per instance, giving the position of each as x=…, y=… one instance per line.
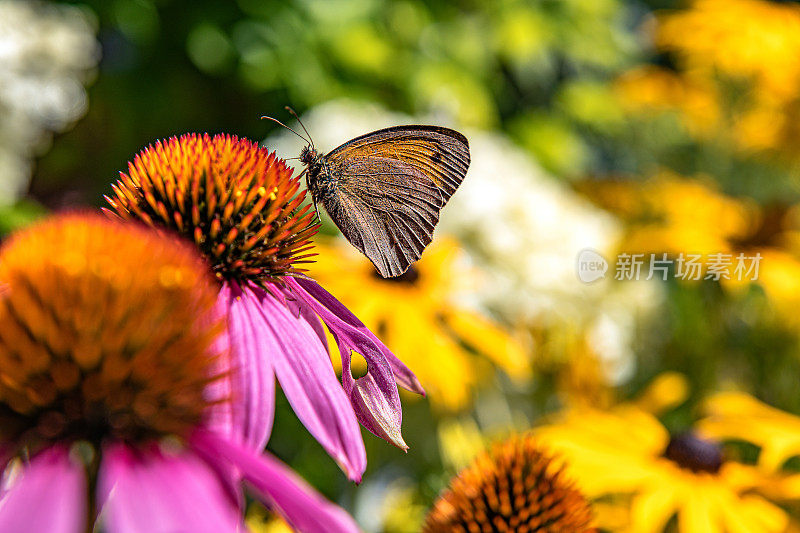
x=693, y=453
x=409, y=277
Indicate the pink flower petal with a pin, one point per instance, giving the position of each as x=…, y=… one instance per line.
x=374, y=397
x=377, y=406
x=49, y=495
x=307, y=378
x=328, y=306
x=280, y=488
x=253, y=378
x=220, y=413
x=162, y=493
x=299, y=308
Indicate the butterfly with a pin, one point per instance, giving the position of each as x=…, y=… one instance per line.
x=385, y=190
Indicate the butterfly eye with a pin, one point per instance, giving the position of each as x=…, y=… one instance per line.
x=307, y=155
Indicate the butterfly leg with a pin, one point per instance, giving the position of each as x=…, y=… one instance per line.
x=311, y=191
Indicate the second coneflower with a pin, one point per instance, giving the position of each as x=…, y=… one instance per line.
x=514, y=487
x=242, y=208
x=108, y=385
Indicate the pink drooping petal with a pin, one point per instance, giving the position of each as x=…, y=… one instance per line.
x=350, y=322
x=280, y=488
x=374, y=397
x=159, y=493
x=307, y=378
x=49, y=495
x=376, y=406
x=252, y=375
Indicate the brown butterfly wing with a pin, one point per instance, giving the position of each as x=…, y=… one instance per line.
x=387, y=209
x=440, y=153
x=391, y=186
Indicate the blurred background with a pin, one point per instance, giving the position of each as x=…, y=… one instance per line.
x=620, y=126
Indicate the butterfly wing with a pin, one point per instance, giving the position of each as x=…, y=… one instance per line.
x=390, y=187
x=440, y=153
x=386, y=209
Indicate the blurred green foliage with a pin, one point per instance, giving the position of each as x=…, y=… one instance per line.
x=538, y=69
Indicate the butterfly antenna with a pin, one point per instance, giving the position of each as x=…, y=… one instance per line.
x=279, y=123
x=290, y=110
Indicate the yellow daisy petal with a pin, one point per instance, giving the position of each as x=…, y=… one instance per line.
x=408, y=313
x=651, y=511
x=488, y=339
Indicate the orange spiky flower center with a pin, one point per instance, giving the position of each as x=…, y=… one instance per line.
x=514, y=487
x=239, y=203
x=105, y=332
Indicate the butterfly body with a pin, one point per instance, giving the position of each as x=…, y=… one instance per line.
x=384, y=190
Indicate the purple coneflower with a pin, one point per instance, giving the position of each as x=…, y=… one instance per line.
x=107, y=358
x=242, y=208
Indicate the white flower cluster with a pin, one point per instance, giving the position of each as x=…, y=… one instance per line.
x=47, y=53
x=525, y=229
x=521, y=228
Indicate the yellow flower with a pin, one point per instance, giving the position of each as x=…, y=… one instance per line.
x=417, y=317
x=259, y=520
x=779, y=276
x=401, y=511
x=777, y=239
x=460, y=441
x=653, y=89
x=691, y=217
x=665, y=391
x=567, y=353
x=624, y=455
x=736, y=415
x=754, y=43
x=677, y=215
x=741, y=38
x=739, y=416
x=672, y=214
x=763, y=125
